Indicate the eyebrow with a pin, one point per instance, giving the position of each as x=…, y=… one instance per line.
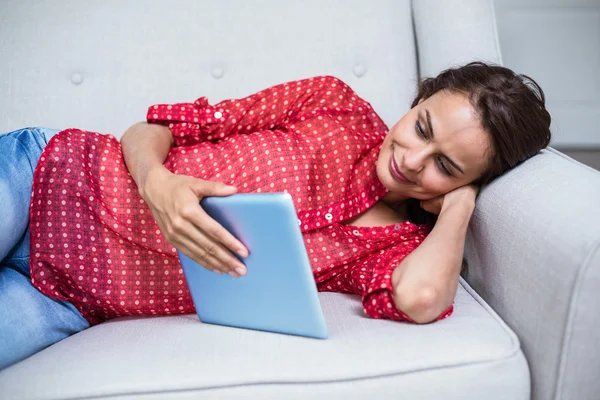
x=450, y=161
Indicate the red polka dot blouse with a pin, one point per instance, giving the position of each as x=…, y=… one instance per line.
x=95, y=243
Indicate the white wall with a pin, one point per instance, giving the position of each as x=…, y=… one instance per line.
x=557, y=43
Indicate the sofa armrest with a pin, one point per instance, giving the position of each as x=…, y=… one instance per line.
x=533, y=253
x=450, y=33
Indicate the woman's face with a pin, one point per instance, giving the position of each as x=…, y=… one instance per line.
x=439, y=132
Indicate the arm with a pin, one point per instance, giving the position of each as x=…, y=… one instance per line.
x=173, y=200
x=286, y=105
x=371, y=278
x=426, y=281
x=379, y=300
x=145, y=148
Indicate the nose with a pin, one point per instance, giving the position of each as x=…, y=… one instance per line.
x=414, y=159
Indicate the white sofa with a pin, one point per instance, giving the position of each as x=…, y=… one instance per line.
x=525, y=323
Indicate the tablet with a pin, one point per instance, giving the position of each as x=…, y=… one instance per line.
x=278, y=292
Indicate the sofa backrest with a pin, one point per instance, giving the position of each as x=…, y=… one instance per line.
x=98, y=66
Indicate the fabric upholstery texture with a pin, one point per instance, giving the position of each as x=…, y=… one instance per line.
x=467, y=356
x=533, y=253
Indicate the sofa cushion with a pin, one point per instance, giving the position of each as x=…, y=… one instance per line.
x=471, y=355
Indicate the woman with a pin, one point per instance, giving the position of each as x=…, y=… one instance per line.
x=383, y=212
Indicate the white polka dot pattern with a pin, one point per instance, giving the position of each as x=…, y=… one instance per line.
x=95, y=243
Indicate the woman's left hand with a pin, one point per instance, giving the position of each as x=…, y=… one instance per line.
x=460, y=194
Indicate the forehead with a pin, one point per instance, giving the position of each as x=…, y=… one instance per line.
x=457, y=129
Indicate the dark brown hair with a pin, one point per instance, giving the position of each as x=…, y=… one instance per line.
x=511, y=108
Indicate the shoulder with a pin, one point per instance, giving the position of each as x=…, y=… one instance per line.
x=328, y=84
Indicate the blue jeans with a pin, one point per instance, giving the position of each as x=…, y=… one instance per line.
x=29, y=320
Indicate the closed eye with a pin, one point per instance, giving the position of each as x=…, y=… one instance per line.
x=441, y=166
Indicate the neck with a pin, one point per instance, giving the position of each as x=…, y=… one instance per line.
x=395, y=202
x=391, y=198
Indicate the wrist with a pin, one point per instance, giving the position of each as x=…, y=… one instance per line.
x=149, y=180
x=466, y=207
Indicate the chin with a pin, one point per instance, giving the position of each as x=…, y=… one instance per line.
x=393, y=194
x=389, y=182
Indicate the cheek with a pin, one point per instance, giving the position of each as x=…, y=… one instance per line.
x=434, y=184
x=406, y=137
x=403, y=137
x=401, y=133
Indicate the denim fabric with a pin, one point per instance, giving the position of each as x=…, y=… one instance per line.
x=29, y=320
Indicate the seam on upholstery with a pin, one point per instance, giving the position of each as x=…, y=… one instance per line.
x=572, y=160
x=514, y=338
x=299, y=383
x=416, y=40
x=495, y=28
x=568, y=332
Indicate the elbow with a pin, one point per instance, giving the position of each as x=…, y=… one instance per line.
x=423, y=306
x=131, y=129
x=145, y=129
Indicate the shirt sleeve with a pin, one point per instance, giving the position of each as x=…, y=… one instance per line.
x=378, y=300
x=371, y=277
x=276, y=107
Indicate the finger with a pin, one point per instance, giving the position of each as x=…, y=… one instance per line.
x=205, y=247
x=206, y=259
x=182, y=246
x=212, y=188
x=217, y=232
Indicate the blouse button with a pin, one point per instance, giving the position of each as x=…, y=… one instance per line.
x=397, y=227
x=355, y=232
x=218, y=114
x=328, y=217
x=299, y=222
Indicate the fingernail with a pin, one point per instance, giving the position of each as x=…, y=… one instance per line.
x=242, y=252
x=232, y=273
x=240, y=270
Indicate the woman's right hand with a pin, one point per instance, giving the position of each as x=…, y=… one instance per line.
x=175, y=204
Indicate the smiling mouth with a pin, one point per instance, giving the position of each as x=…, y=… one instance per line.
x=395, y=171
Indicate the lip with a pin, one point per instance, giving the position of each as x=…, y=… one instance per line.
x=395, y=171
